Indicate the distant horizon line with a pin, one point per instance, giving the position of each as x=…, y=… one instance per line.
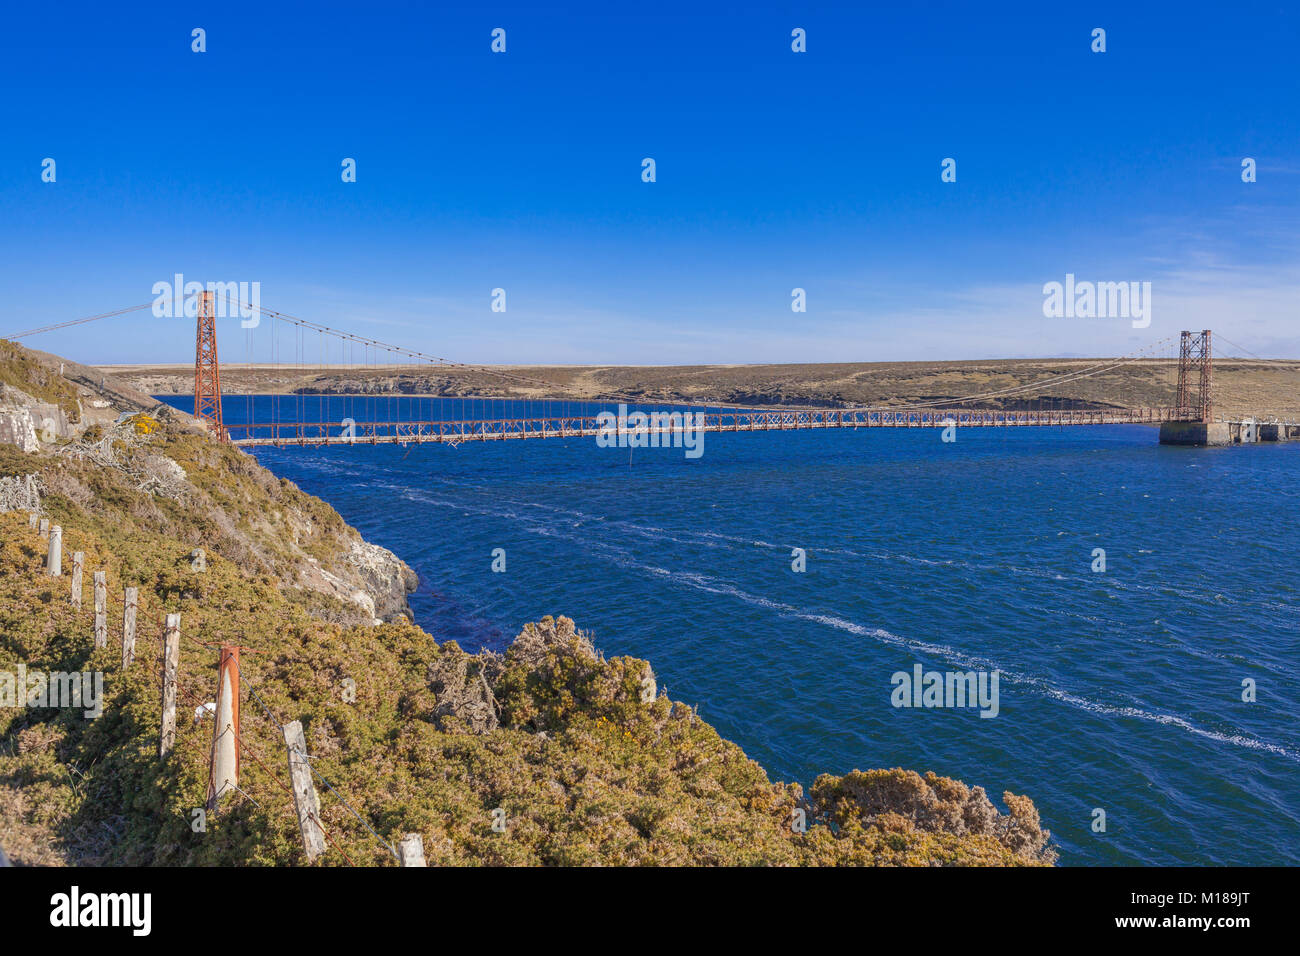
x=472, y=366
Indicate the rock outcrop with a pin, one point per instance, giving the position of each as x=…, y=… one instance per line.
x=29, y=423
x=385, y=577
x=368, y=576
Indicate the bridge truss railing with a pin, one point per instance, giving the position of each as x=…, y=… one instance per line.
x=672, y=421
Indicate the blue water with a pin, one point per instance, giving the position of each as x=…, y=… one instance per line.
x=1118, y=690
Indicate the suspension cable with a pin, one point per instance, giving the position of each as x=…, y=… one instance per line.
x=89, y=318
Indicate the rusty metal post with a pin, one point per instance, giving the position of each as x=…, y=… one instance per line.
x=223, y=773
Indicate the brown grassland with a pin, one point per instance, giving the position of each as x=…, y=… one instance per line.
x=1243, y=387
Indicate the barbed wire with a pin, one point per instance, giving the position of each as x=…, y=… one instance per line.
x=309, y=761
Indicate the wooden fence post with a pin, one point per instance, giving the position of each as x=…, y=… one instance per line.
x=412, y=850
x=101, y=609
x=54, y=557
x=78, y=562
x=128, y=626
x=45, y=528
x=304, y=791
x=171, y=662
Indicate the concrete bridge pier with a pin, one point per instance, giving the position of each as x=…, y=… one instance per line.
x=1211, y=434
x=1245, y=432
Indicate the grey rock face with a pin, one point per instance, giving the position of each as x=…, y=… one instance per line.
x=385, y=577
x=27, y=423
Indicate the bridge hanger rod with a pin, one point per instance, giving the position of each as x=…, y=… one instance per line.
x=1105, y=365
x=411, y=353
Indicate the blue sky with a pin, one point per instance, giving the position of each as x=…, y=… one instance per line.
x=775, y=170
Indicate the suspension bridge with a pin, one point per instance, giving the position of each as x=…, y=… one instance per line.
x=1188, y=420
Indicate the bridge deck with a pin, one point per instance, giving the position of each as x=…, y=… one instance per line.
x=667, y=424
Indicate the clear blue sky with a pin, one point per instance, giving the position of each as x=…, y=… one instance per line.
x=775, y=170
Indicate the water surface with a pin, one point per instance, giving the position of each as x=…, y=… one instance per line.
x=1118, y=690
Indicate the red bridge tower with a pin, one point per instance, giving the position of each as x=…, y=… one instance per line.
x=1194, y=362
x=207, y=373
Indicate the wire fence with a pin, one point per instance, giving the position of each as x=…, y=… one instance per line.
x=151, y=655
